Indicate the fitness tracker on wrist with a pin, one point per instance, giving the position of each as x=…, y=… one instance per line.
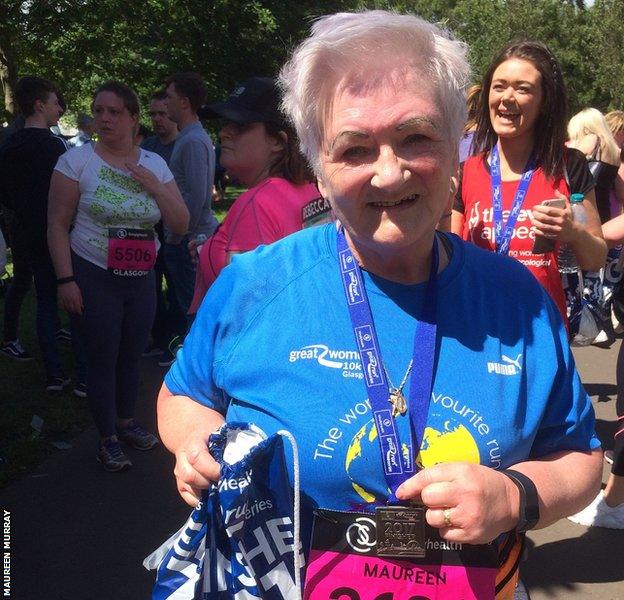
x=62, y=280
x=529, y=513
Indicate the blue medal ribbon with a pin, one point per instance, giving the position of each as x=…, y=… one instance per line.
x=502, y=238
x=398, y=463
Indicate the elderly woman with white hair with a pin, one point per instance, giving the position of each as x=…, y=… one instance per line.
x=428, y=383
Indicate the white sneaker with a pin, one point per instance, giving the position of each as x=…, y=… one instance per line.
x=618, y=327
x=601, y=338
x=600, y=514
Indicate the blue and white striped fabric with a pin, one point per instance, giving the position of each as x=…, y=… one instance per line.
x=242, y=541
x=180, y=560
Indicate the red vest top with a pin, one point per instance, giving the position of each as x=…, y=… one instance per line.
x=476, y=192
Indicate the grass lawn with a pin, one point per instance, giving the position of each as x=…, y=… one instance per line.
x=23, y=395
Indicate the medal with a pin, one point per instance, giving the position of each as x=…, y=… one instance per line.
x=400, y=531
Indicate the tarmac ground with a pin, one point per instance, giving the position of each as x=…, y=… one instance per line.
x=79, y=533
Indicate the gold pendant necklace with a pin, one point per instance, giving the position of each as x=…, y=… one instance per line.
x=397, y=399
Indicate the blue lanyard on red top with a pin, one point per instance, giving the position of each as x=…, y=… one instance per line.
x=503, y=239
x=398, y=463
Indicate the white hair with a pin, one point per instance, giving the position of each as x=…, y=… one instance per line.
x=356, y=45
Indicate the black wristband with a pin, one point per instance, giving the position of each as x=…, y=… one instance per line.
x=529, y=513
x=62, y=280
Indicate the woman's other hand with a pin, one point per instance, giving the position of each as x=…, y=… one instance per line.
x=480, y=503
x=146, y=178
x=556, y=223
x=586, y=238
x=70, y=298
x=173, y=210
x=185, y=426
x=195, y=469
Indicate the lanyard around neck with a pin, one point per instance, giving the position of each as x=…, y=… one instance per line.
x=502, y=238
x=398, y=462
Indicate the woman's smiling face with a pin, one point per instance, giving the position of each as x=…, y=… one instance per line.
x=386, y=161
x=515, y=98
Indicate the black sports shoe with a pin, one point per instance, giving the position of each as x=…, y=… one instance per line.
x=166, y=359
x=63, y=335
x=168, y=356
x=111, y=457
x=137, y=437
x=80, y=390
x=56, y=384
x=151, y=350
x=15, y=351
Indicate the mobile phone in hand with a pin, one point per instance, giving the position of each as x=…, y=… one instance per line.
x=543, y=245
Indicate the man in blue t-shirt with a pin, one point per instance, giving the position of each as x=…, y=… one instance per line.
x=165, y=130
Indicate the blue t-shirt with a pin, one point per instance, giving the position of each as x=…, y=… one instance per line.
x=153, y=144
x=272, y=344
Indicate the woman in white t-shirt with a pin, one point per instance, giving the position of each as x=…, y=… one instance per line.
x=104, y=202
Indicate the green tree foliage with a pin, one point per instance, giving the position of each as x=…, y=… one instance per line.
x=589, y=42
x=81, y=43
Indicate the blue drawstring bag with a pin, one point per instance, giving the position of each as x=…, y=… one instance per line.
x=179, y=562
x=242, y=541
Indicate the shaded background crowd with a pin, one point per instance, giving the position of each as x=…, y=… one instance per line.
x=157, y=167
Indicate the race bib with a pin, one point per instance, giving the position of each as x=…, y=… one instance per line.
x=344, y=565
x=131, y=252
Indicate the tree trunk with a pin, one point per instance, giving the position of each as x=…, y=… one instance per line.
x=8, y=79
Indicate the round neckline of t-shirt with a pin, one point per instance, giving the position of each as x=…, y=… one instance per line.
x=142, y=153
x=375, y=283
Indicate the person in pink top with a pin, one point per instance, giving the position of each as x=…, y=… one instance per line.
x=261, y=152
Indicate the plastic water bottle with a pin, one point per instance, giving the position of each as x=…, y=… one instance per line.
x=566, y=259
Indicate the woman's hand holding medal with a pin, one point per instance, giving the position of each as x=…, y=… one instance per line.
x=468, y=503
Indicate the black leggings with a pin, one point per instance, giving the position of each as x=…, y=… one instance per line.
x=118, y=314
x=22, y=278
x=618, y=448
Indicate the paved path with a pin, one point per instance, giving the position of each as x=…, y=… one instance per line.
x=569, y=561
x=78, y=533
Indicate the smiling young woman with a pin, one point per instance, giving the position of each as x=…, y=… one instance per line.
x=521, y=132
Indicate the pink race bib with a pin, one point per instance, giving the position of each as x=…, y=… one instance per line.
x=131, y=252
x=343, y=565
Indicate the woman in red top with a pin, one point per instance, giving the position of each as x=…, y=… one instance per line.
x=521, y=129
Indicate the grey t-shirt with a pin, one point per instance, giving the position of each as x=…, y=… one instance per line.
x=193, y=165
